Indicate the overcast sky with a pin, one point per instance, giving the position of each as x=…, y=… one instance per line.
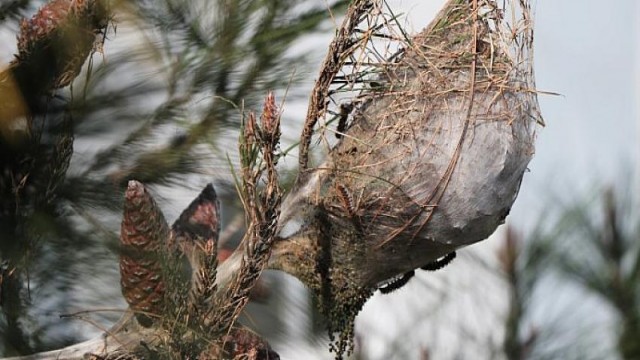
x=588, y=52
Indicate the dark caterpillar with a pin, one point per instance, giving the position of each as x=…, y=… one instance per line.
x=396, y=284
x=347, y=200
x=440, y=263
x=345, y=110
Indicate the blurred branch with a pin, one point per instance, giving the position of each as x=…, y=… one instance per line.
x=521, y=272
x=11, y=9
x=599, y=250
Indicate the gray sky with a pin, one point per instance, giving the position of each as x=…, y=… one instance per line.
x=588, y=52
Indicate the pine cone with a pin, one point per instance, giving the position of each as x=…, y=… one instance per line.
x=200, y=220
x=195, y=234
x=143, y=234
x=54, y=44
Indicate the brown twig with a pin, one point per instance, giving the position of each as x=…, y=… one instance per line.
x=262, y=207
x=339, y=50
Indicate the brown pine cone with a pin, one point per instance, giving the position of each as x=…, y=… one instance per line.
x=195, y=234
x=200, y=220
x=54, y=44
x=143, y=233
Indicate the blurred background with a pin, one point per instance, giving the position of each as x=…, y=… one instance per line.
x=162, y=103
